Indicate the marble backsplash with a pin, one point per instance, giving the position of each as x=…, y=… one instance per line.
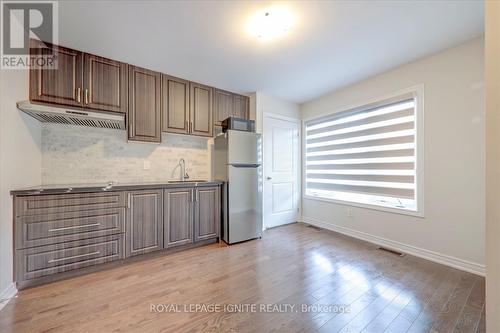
x=76, y=155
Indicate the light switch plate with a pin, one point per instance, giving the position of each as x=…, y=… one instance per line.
x=146, y=165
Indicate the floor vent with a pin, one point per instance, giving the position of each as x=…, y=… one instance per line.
x=314, y=227
x=391, y=251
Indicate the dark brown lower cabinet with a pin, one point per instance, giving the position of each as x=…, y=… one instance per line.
x=59, y=233
x=207, y=213
x=191, y=215
x=53, y=228
x=178, y=217
x=144, y=222
x=37, y=262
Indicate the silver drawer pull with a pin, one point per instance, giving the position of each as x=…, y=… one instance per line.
x=73, y=257
x=75, y=227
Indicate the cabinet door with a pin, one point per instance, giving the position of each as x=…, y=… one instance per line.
x=175, y=105
x=105, y=84
x=207, y=213
x=201, y=109
x=144, y=232
x=241, y=106
x=144, y=111
x=223, y=106
x=62, y=84
x=178, y=217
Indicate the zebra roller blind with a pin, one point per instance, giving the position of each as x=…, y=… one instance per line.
x=366, y=155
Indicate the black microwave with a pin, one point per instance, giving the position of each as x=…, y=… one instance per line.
x=238, y=124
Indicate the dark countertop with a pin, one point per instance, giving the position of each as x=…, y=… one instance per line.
x=110, y=187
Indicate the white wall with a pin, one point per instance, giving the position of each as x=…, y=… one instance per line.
x=20, y=160
x=264, y=103
x=453, y=229
x=492, y=80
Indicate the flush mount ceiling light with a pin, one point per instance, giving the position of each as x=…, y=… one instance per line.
x=270, y=23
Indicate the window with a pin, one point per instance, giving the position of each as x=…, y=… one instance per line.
x=365, y=156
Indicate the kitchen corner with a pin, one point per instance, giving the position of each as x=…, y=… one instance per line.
x=134, y=147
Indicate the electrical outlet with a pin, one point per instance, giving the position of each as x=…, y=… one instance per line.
x=146, y=165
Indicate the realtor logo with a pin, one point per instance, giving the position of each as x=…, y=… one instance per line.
x=22, y=21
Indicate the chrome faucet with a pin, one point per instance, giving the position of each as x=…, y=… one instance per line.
x=184, y=174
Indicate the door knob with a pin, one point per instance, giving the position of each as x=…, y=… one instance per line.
x=268, y=178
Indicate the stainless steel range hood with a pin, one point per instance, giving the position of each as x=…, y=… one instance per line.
x=68, y=116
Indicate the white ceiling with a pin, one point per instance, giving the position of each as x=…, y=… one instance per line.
x=333, y=43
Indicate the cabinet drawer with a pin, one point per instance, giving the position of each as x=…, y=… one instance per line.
x=37, y=230
x=61, y=203
x=45, y=260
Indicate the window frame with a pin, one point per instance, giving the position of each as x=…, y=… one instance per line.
x=418, y=92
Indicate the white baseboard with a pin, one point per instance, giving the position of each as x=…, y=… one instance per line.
x=440, y=258
x=7, y=294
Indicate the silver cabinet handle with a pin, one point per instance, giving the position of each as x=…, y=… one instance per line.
x=74, y=257
x=75, y=227
x=128, y=201
x=86, y=96
x=197, y=195
x=192, y=195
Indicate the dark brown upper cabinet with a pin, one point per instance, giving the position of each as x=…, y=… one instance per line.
x=153, y=102
x=200, y=115
x=228, y=104
x=144, y=110
x=78, y=79
x=105, y=84
x=241, y=107
x=62, y=84
x=223, y=105
x=186, y=107
x=175, y=105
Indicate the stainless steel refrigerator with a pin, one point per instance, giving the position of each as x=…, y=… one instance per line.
x=237, y=162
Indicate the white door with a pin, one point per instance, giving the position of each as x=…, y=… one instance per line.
x=281, y=171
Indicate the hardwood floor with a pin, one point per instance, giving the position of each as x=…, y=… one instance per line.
x=291, y=265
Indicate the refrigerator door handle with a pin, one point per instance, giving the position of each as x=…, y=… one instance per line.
x=252, y=165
